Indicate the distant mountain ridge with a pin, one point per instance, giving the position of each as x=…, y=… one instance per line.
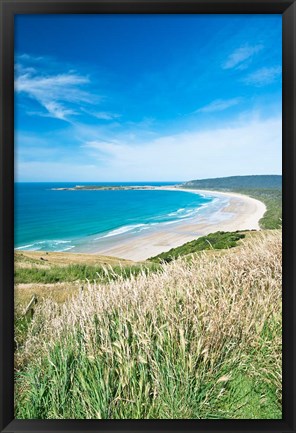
x=237, y=182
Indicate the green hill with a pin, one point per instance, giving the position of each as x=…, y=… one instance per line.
x=237, y=182
x=266, y=188
x=213, y=241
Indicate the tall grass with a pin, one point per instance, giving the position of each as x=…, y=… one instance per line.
x=200, y=339
x=74, y=272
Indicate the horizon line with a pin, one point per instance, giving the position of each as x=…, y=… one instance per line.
x=129, y=181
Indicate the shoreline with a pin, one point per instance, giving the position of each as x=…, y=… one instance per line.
x=234, y=212
x=241, y=212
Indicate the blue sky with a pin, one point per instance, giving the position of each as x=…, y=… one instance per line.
x=147, y=97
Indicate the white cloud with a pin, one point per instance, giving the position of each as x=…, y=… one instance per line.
x=60, y=95
x=239, y=57
x=29, y=57
x=249, y=147
x=103, y=115
x=219, y=105
x=264, y=76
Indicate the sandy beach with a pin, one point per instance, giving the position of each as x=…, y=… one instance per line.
x=240, y=213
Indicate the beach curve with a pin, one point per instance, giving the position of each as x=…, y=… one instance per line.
x=239, y=212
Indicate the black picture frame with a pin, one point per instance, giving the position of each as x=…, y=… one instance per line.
x=8, y=8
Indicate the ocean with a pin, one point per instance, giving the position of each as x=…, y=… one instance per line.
x=50, y=220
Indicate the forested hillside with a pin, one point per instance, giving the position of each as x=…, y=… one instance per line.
x=237, y=182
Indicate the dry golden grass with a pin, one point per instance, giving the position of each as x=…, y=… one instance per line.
x=46, y=259
x=57, y=292
x=60, y=291
x=230, y=284
x=195, y=323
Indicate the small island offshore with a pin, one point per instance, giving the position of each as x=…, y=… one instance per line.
x=104, y=188
x=232, y=183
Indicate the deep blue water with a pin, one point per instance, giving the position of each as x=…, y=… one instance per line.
x=60, y=220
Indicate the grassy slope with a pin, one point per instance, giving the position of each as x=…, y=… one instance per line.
x=200, y=339
x=70, y=273
x=49, y=258
x=60, y=275
x=213, y=241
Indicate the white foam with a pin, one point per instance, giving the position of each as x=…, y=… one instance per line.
x=121, y=230
x=177, y=212
x=47, y=245
x=70, y=248
x=24, y=246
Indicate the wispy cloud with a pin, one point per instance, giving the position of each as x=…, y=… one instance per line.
x=28, y=57
x=241, y=56
x=60, y=95
x=219, y=105
x=99, y=153
x=53, y=92
x=103, y=115
x=264, y=76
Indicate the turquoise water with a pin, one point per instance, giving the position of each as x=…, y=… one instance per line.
x=51, y=220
